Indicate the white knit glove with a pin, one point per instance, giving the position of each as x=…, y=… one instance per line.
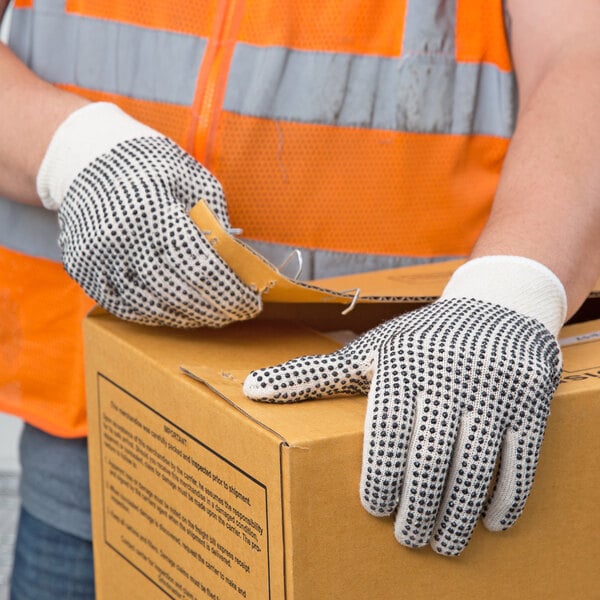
x=123, y=192
x=451, y=387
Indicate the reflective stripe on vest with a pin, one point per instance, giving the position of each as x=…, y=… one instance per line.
x=341, y=89
x=30, y=230
x=305, y=264
x=91, y=49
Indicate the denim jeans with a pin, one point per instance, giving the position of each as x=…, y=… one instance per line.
x=50, y=564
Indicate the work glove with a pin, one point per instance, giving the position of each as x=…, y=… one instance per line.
x=123, y=192
x=452, y=387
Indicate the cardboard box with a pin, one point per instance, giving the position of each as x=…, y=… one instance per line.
x=198, y=492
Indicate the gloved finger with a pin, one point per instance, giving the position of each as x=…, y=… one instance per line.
x=467, y=486
x=518, y=463
x=388, y=423
x=309, y=378
x=206, y=282
x=429, y=455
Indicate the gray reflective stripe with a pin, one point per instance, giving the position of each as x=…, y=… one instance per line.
x=495, y=111
x=29, y=229
x=423, y=90
x=483, y=97
x=369, y=91
x=317, y=264
x=34, y=231
x=148, y=64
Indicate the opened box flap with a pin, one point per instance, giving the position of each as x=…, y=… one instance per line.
x=423, y=285
x=342, y=302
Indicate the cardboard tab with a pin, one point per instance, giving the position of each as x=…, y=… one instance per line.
x=254, y=270
x=228, y=386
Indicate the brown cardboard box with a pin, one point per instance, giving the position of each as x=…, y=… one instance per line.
x=198, y=492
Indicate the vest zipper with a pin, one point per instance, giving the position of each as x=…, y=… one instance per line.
x=212, y=80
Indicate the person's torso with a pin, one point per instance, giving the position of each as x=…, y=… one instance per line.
x=367, y=133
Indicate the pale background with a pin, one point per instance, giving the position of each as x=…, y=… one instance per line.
x=10, y=428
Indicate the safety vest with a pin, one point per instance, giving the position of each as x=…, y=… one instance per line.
x=370, y=126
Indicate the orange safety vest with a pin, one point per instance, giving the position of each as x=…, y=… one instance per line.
x=372, y=126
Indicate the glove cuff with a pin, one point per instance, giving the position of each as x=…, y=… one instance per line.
x=84, y=135
x=521, y=284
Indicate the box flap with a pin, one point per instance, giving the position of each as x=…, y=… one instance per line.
x=382, y=286
x=422, y=283
x=357, y=302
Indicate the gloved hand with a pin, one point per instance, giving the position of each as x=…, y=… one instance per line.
x=123, y=192
x=451, y=387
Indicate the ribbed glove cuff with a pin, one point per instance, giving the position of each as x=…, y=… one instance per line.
x=84, y=135
x=518, y=283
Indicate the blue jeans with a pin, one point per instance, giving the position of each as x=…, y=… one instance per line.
x=50, y=564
